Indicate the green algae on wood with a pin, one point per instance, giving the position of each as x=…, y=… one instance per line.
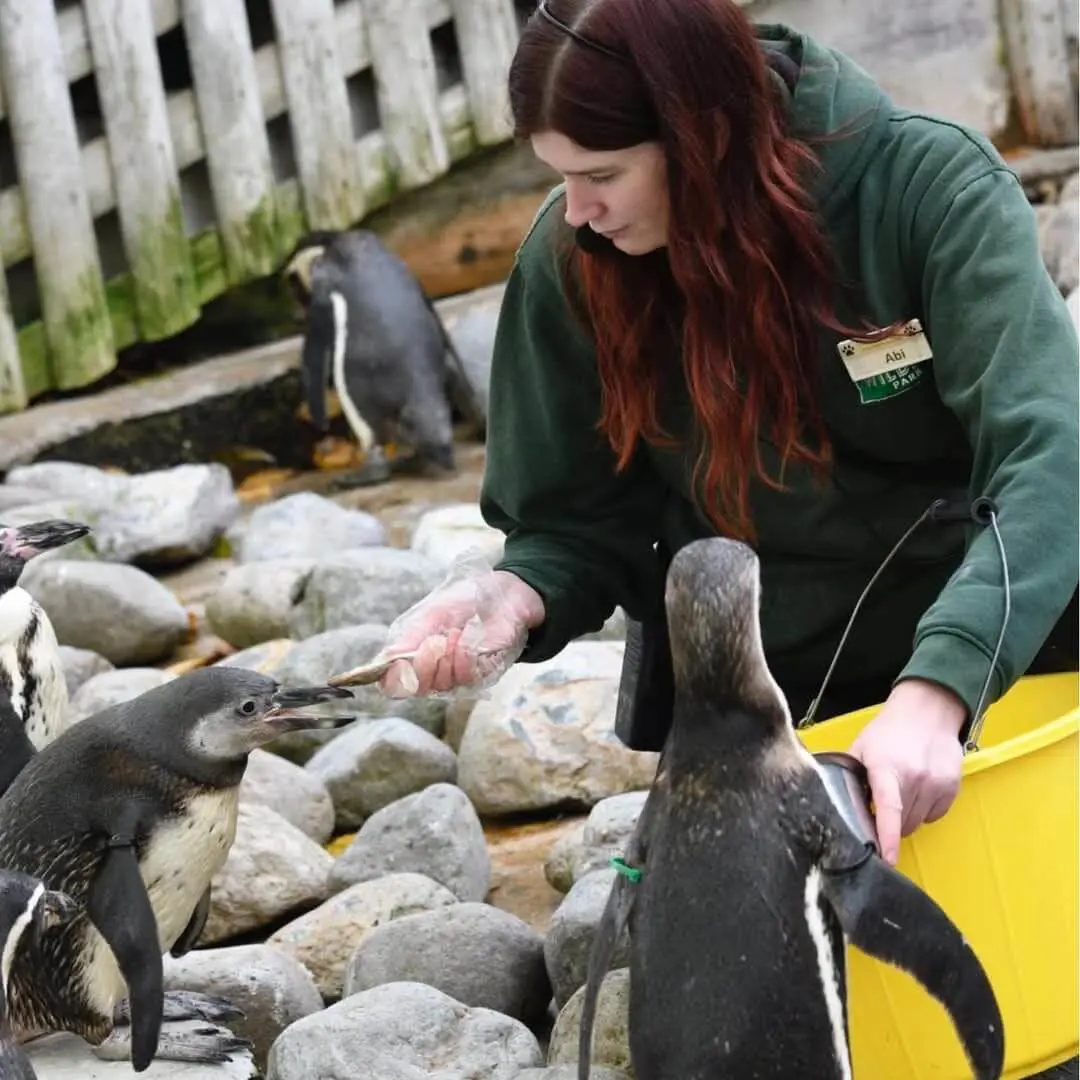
x=162, y=275
x=251, y=247
x=79, y=332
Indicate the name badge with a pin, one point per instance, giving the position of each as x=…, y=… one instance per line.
x=888, y=366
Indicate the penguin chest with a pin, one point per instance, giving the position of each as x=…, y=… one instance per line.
x=183, y=854
x=30, y=667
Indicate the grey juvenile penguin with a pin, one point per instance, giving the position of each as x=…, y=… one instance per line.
x=33, y=690
x=27, y=909
x=752, y=881
x=374, y=335
x=131, y=812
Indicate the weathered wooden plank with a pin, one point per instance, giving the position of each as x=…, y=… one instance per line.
x=406, y=89
x=42, y=122
x=318, y=112
x=1033, y=167
x=189, y=147
x=144, y=170
x=12, y=384
x=487, y=35
x=234, y=129
x=1036, y=35
x=941, y=56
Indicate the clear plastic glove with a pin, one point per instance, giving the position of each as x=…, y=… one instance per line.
x=466, y=633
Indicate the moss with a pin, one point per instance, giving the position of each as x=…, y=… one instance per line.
x=221, y=548
x=252, y=247
x=166, y=299
x=80, y=343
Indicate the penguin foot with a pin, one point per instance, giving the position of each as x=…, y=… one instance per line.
x=186, y=1005
x=195, y=1044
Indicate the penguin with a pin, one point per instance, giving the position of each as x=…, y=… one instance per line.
x=33, y=688
x=373, y=333
x=27, y=908
x=131, y=812
x=747, y=876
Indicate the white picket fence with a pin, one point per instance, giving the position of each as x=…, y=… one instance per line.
x=174, y=252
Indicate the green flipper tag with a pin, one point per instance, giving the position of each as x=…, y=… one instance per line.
x=627, y=871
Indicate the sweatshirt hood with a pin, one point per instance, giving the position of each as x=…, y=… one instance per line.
x=835, y=107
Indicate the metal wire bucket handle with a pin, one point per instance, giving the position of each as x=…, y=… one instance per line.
x=980, y=511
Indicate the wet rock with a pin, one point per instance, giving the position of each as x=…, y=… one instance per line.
x=477, y=954
x=117, y=611
x=113, y=687
x=611, y=1042
x=457, y=531
x=271, y=988
x=324, y=939
x=377, y=763
x=254, y=602
x=605, y=832
x=434, y=832
x=544, y=738
x=272, y=869
x=296, y=794
x=155, y=519
x=15, y=495
x=167, y=517
x=403, y=1031
x=80, y=665
x=373, y=585
x=306, y=526
x=568, y=943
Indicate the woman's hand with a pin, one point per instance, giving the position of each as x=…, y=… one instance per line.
x=913, y=755
x=466, y=633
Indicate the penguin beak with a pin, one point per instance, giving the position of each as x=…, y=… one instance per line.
x=26, y=541
x=55, y=909
x=286, y=703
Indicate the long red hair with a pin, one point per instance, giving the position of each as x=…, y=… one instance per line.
x=746, y=271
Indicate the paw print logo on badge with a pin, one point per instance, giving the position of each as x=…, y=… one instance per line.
x=847, y=349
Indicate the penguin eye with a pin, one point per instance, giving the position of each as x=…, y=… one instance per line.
x=248, y=707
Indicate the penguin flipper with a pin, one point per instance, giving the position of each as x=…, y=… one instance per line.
x=191, y=933
x=316, y=355
x=887, y=916
x=120, y=909
x=612, y=923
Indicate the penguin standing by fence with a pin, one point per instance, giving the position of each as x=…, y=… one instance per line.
x=131, y=812
x=373, y=334
x=746, y=875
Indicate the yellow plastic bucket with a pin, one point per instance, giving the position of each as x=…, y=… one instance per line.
x=1003, y=863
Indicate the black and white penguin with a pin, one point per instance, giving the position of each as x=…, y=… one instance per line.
x=27, y=909
x=33, y=690
x=373, y=334
x=131, y=812
x=747, y=874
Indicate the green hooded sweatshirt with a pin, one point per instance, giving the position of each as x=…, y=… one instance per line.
x=927, y=220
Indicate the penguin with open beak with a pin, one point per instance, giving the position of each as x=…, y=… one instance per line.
x=131, y=812
x=373, y=334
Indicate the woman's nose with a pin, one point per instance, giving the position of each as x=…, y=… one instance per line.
x=581, y=206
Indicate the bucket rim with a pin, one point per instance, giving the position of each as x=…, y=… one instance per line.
x=1028, y=742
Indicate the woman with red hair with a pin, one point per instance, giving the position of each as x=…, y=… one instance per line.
x=768, y=303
